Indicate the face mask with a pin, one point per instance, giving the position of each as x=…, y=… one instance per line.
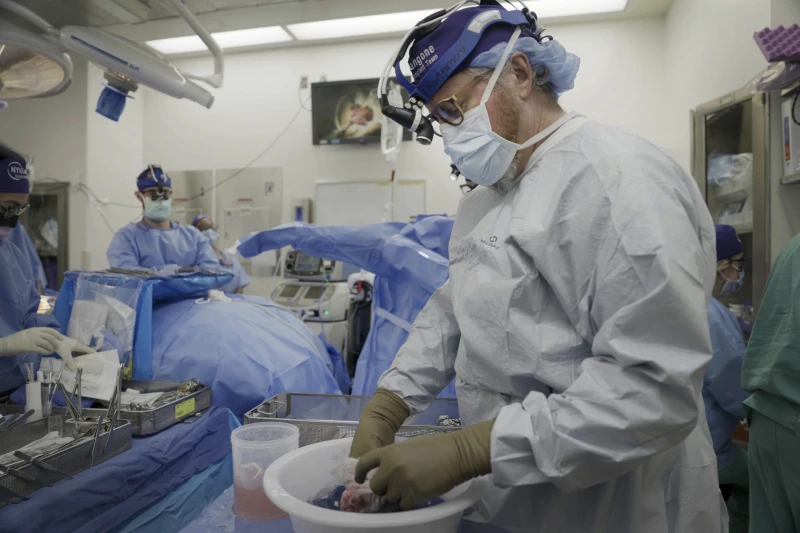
x=5, y=231
x=157, y=210
x=480, y=154
x=732, y=285
x=211, y=235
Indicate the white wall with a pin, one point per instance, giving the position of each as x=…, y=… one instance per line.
x=786, y=12
x=53, y=131
x=620, y=81
x=114, y=157
x=709, y=51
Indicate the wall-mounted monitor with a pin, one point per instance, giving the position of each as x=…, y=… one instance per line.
x=348, y=112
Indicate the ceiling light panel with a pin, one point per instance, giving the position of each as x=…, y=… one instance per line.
x=574, y=8
x=357, y=26
x=226, y=39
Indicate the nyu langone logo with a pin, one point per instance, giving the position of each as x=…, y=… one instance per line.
x=443, y=71
x=16, y=171
x=425, y=54
x=490, y=242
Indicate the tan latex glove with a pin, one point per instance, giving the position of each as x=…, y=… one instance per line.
x=43, y=341
x=382, y=417
x=422, y=468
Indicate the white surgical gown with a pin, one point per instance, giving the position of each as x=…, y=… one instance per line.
x=575, y=315
x=139, y=245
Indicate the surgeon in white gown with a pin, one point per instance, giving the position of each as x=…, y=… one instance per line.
x=574, y=320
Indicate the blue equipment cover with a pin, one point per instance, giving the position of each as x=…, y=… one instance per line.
x=102, y=498
x=410, y=261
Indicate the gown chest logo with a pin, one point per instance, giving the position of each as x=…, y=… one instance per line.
x=490, y=242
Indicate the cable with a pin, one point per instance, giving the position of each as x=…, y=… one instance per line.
x=105, y=202
x=99, y=211
x=794, y=108
x=300, y=99
x=251, y=163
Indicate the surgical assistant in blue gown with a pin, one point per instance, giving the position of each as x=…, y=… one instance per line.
x=227, y=262
x=157, y=242
x=20, y=237
x=19, y=298
x=722, y=390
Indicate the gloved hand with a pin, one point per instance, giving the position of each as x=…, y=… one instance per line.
x=420, y=469
x=167, y=270
x=382, y=417
x=43, y=341
x=67, y=346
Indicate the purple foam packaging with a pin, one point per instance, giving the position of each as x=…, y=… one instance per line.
x=779, y=44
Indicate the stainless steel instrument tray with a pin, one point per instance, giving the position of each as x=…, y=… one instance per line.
x=323, y=417
x=71, y=458
x=160, y=418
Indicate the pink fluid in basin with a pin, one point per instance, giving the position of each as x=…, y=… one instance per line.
x=253, y=504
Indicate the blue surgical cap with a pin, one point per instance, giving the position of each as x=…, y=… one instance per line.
x=153, y=176
x=728, y=242
x=562, y=65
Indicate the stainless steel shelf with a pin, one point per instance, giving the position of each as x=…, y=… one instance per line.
x=791, y=88
x=791, y=179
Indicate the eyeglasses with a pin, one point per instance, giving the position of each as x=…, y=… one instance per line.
x=11, y=212
x=155, y=194
x=449, y=110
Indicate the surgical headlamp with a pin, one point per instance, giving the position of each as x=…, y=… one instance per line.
x=155, y=184
x=411, y=116
x=454, y=172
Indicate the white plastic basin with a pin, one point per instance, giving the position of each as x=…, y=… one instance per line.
x=296, y=478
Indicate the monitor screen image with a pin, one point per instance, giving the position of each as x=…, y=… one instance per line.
x=346, y=112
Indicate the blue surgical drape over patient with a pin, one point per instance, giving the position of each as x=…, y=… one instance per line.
x=139, y=245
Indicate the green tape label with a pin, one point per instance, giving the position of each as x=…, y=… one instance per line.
x=184, y=408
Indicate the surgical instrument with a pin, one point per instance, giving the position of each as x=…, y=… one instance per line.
x=22, y=475
x=96, y=436
x=20, y=418
x=8, y=420
x=76, y=392
x=117, y=402
x=41, y=464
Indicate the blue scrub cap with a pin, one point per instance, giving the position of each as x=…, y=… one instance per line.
x=13, y=172
x=153, y=176
x=562, y=65
x=198, y=218
x=728, y=242
x=426, y=53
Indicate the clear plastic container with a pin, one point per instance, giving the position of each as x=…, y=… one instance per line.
x=255, y=447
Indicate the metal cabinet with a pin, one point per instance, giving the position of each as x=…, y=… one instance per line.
x=50, y=202
x=738, y=123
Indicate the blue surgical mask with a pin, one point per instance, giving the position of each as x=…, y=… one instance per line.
x=211, y=235
x=480, y=154
x=732, y=285
x=157, y=210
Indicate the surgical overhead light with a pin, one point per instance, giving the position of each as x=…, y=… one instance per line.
x=127, y=64
x=30, y=66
